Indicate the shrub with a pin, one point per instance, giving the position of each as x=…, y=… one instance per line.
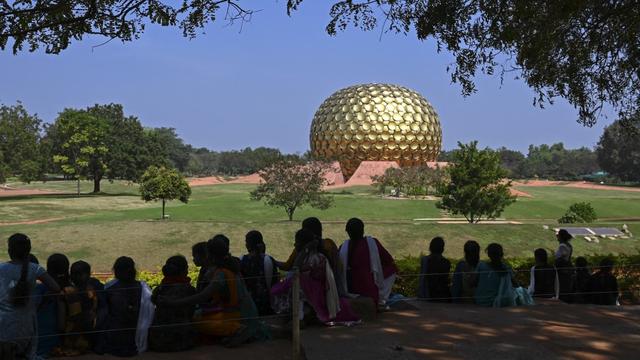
x=581, y=212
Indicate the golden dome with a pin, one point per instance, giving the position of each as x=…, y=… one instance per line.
x=376, y=122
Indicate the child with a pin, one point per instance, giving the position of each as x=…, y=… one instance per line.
x=603, y=286
x=172, y=329
x=434, y=274
x=52, y=308
x=259, y=272
x=544, y=281
x=200, y=259
x=82, y=302
x=583, y=276
x=128, y=308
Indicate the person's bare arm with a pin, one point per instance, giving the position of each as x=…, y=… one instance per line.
x=49, y=282
x=202, y=296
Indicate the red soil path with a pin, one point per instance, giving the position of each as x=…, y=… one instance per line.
x=574, y=184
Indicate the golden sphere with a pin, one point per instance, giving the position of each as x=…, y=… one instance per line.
x=376, y=122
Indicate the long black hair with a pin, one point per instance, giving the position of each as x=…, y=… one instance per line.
x=218, y=248
x=496, y=255
x=19, y=249
x=472, y=252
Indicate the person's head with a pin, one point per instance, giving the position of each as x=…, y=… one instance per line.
x=218, y=248
x=606, y=265
x=254, y=242
x=581, y=262
x=496, y=254
x=33, y=259
x=436, y=246
x=176, y=266
x=80, y=273
x=124, y=269
x=541, y=256
x=314, y=225
x=19, y=248
x=58, y=268
x=200, y=254
x=564, y=236
x=304, y=237
x=355, y=229
x=472, y=252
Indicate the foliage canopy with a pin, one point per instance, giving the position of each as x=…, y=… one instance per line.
x=619, y=149
x=164, y=184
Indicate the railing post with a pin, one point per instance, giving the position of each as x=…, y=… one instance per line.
x=295, y=322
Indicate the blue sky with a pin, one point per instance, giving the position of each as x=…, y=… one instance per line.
x=229, y=89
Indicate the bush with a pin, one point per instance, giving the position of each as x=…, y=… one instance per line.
x=581, y=212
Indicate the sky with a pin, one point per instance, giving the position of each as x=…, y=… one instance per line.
x=261, y=84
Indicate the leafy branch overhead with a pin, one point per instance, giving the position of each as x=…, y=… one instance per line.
x=587, y=52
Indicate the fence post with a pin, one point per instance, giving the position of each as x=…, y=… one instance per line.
x=295, y=322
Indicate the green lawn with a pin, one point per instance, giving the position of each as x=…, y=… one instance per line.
x=99, y=228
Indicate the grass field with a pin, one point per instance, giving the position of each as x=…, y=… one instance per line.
x=98, y=228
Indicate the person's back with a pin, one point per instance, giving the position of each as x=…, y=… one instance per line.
x=544, y=277
x=434, y=271
x=465, y=276
x=172, y=329
x=583, y=277
x=494, y=280
x=259, y=272
x=603, y=285
x=50, y=325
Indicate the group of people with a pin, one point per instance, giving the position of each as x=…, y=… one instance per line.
x=493, y=283
x=62, y=310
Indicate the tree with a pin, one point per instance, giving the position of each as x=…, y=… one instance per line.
x=167, y=148
x=476, y=189
x=583, y=51
x=618, y=152
x=83, y=145
x=291, y=185
x=19, y=142
x=581, y=212
x=165, y=184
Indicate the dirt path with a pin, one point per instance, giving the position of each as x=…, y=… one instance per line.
x=10, y=192
x=30, y=222
x=574, y=184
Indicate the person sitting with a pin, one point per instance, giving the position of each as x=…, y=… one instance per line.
x=583, y=276
x=18, y=277
x=465, y=276
x=495, y=286
x=603, y=285
x=82, y=300
x=52, y=308
x=326, y=246
x=544, y=281
x=259, y=272
x=434, y=274
x=231, y=313
x=317, y=284
x=172, y=329
x=200, y=259
x=564, y=266
x=369, y=270
x=129, y=312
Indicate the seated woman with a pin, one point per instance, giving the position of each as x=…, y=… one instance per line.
x=82, y=301
x=603, y=285
x=583, y=277
x=317, y=284
x=129, y=312
x=201, y=259
x=544, y=281
x=52, y=308
x=495, y=287
x=231, y=313
x=17, y=304
x=259, y=272
x=172, y=329
x=465, y=276
x=434, y=274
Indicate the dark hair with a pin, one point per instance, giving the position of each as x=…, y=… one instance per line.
x=19, y=248
x=58, y=268
x=472, y=252
x=33, y=259
x=606, y=264
x=254, y=241
x=495, y=253
x=581, y=262
x=303, y=238
x=437, y=245
x=541, y=255
x=355, y=228
x=81, y=266
x=564, y=236
x=314, y=225
x=218, y=248
x=124, y=269
x=176, y=265
x=200, y=248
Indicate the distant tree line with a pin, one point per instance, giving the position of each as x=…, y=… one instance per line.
x=101, y=142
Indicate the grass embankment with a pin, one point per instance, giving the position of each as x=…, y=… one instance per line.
x=98, y=228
